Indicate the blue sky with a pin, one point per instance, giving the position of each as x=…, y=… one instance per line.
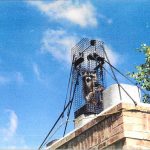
x=35, y=42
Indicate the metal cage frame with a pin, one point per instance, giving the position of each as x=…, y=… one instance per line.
x=87, y=57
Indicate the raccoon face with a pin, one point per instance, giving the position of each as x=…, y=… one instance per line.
x=88, y=82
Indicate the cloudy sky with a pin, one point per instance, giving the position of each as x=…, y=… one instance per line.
x=35, y=42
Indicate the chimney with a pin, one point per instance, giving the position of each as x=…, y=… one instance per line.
x=123, y=126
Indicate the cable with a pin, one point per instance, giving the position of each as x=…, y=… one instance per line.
x=112, y=72
x=68, y=115
x=54, y=125
x=126, y=77
x=68, y=87
x=115, y=78
x=58, y=129
x=108, y=73
x=121, y=87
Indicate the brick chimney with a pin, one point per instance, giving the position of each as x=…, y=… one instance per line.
x=123, y=126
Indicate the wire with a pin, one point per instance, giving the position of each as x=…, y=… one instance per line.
x=108, y=73
x=115, y=78
x=126, y=77
x=68, y=87
x=54, y=125
x=68, y=115
x=58, y=128
x=121, y=87
x=112, y=72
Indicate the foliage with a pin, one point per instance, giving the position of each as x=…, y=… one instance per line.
x=142, y=76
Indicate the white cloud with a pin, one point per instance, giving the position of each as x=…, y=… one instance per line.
x=7, y=78
x=81, y=14
x=9, y=139
x=37, y=72
x=10, y=130
x=112, y=55
x=13, y=124
x=58, y=43
x=105, y=18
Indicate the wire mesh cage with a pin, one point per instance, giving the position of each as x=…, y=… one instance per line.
x=88, y=61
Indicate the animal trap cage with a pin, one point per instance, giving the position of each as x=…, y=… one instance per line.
x=87, y=62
